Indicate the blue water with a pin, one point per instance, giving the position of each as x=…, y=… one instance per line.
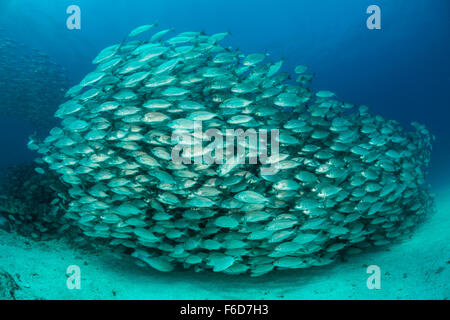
x=401, y=71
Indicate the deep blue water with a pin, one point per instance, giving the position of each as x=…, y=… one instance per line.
x=401, y=71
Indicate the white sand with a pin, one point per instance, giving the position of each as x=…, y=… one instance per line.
x=415, y=269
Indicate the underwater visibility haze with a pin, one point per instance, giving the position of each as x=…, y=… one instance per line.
x=247, y=149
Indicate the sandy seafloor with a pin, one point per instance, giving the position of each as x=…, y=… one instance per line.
x=417, y=268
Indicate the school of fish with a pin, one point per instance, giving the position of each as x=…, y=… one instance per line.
x=28, y=204
x=45, y=82
x=345, y=179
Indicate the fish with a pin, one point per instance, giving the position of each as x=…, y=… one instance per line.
x=141, y=29
x=46, y=84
